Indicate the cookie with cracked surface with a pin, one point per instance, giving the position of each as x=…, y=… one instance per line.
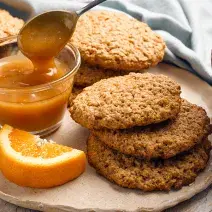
x=162, y=140
x=116, y=41
x=127, y=101
x=131, y=172
x=88, y=75
x=9, y=25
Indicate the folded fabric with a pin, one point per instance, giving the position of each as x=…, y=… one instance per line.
x=185, y=25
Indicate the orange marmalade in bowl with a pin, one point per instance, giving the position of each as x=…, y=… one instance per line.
x=34, y=96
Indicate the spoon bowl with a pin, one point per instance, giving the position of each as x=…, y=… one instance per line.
x=45, y=35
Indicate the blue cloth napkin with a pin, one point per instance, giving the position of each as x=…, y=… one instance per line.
x=185, y=25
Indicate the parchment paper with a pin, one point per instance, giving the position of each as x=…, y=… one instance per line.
x=91, y=192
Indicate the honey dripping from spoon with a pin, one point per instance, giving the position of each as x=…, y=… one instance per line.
x=44, y=36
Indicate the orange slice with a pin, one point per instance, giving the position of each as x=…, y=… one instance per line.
x=28, y=160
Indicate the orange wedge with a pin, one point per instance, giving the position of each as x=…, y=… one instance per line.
x=28, y=160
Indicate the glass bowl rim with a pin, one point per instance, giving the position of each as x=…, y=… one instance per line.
x=45, y=86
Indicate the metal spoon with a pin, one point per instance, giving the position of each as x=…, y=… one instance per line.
x=46, y=34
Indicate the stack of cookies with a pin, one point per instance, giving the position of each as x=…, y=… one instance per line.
x=142, y=134
x=113, y=44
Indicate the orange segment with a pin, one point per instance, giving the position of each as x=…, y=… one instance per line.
x=30, y=145
x=30, y=161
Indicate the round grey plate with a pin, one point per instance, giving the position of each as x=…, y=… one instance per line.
x=91, y=191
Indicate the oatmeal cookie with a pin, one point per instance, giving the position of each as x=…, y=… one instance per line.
x=75, y=91
x=88, y=75
x=126, y=101
x=9, y=25
x=114, y=40
x=132, y=172
x=163, y=140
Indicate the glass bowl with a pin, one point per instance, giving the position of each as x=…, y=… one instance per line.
x=37, y=109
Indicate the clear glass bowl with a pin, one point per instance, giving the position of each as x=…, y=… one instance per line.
x=38, y=109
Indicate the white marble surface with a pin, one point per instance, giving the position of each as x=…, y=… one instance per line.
x=202, y=202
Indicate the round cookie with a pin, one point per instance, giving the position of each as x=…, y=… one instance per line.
x=163, y=140
x=88, y=75
x=75, y=91
x=126, y=101
x=116, y=41
x=132, y=172
x=9, y=25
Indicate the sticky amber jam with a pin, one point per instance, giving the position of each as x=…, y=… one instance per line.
x=34, y=95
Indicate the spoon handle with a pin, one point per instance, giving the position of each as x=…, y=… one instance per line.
x=89, y=6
